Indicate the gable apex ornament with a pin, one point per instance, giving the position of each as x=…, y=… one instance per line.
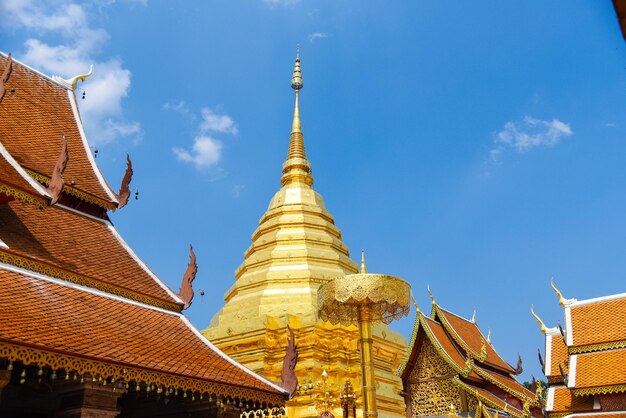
x=562, y=301
x=124, y=193
x=74, y=80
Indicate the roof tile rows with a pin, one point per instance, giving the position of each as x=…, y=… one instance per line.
x=601, y=368
x=599, y=322
x=48, y=315
x=35, y=112
x=75, y=243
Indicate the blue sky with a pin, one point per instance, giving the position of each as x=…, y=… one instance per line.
x=476, y=147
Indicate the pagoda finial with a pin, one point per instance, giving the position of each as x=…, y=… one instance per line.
x=363, y=269
x=296, y=168
x=543, y=326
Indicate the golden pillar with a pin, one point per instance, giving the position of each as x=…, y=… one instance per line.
x=364, y=298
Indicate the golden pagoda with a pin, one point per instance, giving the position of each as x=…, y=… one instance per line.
x=296, y=248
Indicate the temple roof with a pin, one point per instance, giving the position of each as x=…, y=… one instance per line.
x=556, y=353
x=603, y=370
x=82, y=327
x=490, y=399
x=64, y=243
x=593, y=321
x=15, y=183
x=561, y=399
x=36, y=111
x=468, y=335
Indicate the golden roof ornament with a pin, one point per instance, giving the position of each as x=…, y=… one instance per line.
x=74, y=80
x=363, y=268
x=473, y=320
x=543, y=326
x=432, y=298
x=562, y=301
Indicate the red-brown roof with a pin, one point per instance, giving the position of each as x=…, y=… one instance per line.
x=34, y=116
x=15, y=182
x=66, y=244
x=490, y=398
x=49, y=315
x=467, y=334
x=507, y=383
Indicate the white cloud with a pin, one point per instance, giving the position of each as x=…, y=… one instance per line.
x=317, y=35
x=212, y=122
x=101, y=110
x=528, y=134
x=281, y=2
x=206, y=150
x=610, y=125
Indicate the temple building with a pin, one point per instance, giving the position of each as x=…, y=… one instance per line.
x=296, y=248
x=86, y=329
x=585, y=363
x=453, y=370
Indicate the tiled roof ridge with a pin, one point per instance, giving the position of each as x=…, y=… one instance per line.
x=88, y=289
x=56, y=80
x=485, y=374
x=437, y=344
x=20, y=170
x=227, y=358
x=478, y=356
x=597, y=300
x=59, y=82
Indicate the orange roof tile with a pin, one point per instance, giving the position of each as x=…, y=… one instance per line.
x=558, y=354
x=468, y=335
x=442, y=341
x=565, y=401
x=49, y=315
x=505, y=382
x=616, y=414
x=33, y=119
x=490, y=398
x=69, y=242
x=595, y=322
x=601, y=368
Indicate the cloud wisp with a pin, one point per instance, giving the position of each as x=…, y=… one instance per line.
x=206, y=150
x=76, y=48
x=528, y=134
x=317, y=35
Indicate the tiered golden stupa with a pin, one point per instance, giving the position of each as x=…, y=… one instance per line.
x=296, y=248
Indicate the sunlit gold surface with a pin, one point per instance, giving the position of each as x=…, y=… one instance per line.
x=295, y=249
x=364, y=299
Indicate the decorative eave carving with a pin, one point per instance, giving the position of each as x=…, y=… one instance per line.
x=5, y=76
x=124, y=193
x=56, y=180
x=186, y=289
x=519, y=369
x=289, y=380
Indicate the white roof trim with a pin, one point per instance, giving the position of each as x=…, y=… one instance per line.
x=596, y=300
x=3, y=245
x=47, y=77
x=230, y=360
x=548, y=361
x=142, y=264
x=599, y=414
x=569, y=334
x=92, y=161
x=596, y=402
x=550, y=400
x=571, y=373
x=75, y=286
x=86, y=215
x=7, y=156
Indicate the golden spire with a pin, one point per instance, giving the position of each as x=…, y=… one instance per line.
x=296, y=168
x=363, y=269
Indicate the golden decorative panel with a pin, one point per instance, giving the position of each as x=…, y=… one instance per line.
x=23, y=196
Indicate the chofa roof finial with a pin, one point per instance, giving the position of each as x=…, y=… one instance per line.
x=74, y=80
x=543, y=326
